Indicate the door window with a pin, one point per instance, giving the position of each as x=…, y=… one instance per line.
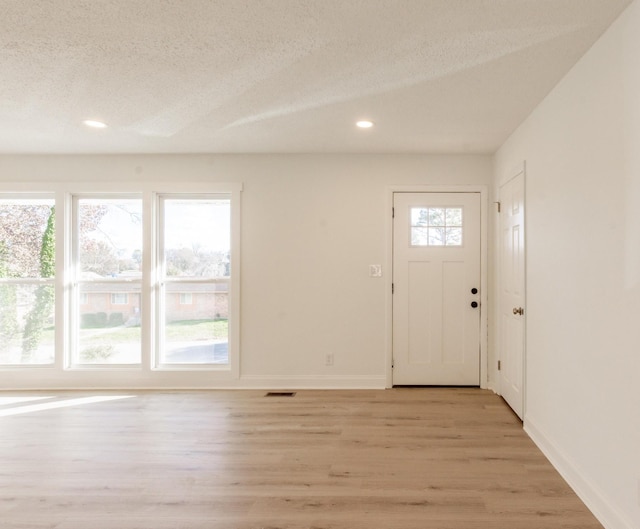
x=440, y=226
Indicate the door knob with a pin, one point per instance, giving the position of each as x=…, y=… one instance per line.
x=474, y=304
x=518, y=310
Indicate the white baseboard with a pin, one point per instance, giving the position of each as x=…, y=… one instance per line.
x=592, y=496
x=312, y=382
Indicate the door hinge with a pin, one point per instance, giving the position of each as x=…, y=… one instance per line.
x=393, y=288
x=499, y=207
x=393, y=213
x=499, y=365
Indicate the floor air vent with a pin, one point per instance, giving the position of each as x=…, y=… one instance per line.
x=281, y=394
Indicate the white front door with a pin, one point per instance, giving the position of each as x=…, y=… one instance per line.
x=512, y=293
x=436, y=283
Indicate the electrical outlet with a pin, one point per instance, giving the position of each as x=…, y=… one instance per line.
x=328, y=361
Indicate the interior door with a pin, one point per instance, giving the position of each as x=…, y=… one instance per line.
x=436, y=289
x=512, y=293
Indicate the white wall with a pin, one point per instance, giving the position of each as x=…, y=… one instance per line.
x=311, y=225
x=582, y=152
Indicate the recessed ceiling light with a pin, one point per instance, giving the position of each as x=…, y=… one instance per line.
x=95, y=124
x=364, y=124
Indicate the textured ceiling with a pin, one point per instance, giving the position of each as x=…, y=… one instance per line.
x=222, y=76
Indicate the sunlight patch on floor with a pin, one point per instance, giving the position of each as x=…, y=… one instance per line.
x=30, y=408
x=8, y=401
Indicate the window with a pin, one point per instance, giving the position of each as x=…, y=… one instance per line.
x=135, y=280
x=441, y=226
x=195, y=262
x=27, y=281
x=119, y=298
x=108, y=235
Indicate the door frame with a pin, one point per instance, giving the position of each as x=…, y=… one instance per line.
x=516, y=171
x=483, y=190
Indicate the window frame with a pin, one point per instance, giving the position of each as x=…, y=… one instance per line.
x=72, y=357
x=146, y=374
x=163, y=280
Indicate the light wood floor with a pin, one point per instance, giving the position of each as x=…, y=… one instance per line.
x=402, y=458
